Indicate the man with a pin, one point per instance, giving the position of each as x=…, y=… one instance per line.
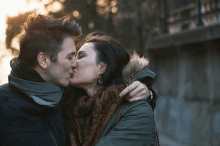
x=31, y=102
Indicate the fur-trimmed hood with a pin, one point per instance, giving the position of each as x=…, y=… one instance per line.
x=137, y=69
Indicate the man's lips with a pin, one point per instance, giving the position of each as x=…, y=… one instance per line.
x=72, y=72
x=71, y=75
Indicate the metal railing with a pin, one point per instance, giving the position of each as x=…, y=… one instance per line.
x=194, y=11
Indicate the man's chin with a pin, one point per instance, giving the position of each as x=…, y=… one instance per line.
x=64, y=84
x=72, y=83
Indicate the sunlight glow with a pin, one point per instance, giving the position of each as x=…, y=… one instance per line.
x=5, y=69
x=76, y=13
x=15, y=42
x=113, y=3
x=114, y=9
x=91, y=25
x=55, y=7
x=101, y=2
x=14, y=7
x=47, y=1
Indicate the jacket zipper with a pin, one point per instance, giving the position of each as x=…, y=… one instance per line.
x=53, y=139
x=51, y=134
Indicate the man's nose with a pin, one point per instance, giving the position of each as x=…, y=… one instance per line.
x=74, y=62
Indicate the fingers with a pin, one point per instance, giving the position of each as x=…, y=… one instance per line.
x=129, y=88
x=141, y=89
x=135, y=99
x=141, y=95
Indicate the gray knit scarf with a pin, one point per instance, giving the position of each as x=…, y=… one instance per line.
x=29, y=82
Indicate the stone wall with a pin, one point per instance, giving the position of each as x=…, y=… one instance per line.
x=188, y=83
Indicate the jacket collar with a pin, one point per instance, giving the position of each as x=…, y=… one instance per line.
x=137, y=70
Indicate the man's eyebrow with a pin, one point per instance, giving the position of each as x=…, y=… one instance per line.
x=71, y=54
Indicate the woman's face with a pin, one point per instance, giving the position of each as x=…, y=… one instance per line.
x=87, y=70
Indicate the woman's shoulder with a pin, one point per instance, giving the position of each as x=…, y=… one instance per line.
x=134, y=116
x=140, y=106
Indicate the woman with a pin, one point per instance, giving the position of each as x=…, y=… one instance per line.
x=97, y=115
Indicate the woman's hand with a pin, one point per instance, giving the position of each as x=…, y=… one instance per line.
x=136, y=91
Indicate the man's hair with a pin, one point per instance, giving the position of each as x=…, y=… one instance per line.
x=45, y=34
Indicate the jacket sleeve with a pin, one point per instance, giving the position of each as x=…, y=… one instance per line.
x=152, y=101
x=136, y=127
x=147, y=77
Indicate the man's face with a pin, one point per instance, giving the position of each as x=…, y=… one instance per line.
x=60, y=72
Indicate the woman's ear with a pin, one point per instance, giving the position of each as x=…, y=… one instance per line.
x=102, y=67
x=43, y=60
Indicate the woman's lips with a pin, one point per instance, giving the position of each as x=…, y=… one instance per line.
x=71, y=75
x=72, y=72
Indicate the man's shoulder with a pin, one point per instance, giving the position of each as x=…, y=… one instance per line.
x=4, y=86
x=6, y=92
x=5, y=89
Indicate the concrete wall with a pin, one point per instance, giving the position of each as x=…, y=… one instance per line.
x=188, y=83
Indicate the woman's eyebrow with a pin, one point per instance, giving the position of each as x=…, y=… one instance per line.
x=80, y=52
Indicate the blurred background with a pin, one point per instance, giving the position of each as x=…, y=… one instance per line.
x=180, y=38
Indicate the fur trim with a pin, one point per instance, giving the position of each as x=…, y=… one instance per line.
x=133, y=68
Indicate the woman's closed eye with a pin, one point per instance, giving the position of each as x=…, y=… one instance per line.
x=79, y=56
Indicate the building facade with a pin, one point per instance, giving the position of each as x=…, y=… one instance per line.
x=186, y=56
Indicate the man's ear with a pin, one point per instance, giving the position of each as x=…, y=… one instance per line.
x=102, y=67
x=43, y=60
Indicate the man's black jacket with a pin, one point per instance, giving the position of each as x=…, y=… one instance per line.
x=23, y=122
